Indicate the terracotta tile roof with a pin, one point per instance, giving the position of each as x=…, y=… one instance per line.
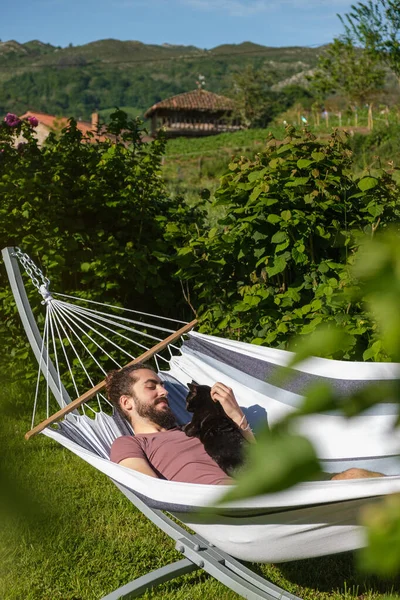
x=56, y=122
x=200, y=100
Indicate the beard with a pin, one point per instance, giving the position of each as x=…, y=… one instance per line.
x=163, y=418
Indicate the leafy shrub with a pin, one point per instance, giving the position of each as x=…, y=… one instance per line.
x=95, y=213
x=378, y=149
x=277, y=264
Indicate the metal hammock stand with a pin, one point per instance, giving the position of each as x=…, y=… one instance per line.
x=198, y=553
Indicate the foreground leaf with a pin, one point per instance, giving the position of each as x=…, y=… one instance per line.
x=382, y=556
x=277, y=461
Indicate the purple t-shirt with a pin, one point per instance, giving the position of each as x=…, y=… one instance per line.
x=172, y=455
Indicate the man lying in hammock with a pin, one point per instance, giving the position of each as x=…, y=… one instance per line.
x=160, y=448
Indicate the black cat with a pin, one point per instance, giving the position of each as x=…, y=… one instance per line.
x=220, y=436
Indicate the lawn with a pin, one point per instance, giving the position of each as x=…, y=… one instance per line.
x=68, y=534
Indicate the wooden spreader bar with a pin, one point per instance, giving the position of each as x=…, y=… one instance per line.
x=100, y=386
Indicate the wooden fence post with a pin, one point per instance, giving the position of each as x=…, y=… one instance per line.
x=370, y=124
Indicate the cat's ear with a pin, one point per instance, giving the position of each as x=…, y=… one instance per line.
x=193, y=386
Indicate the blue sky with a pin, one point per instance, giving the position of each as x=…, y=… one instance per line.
x=202, y=23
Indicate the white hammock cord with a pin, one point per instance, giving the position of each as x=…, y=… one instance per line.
x=62, y=314
x=138, y=312
x=47, y=373
x=80, y=310
x=58, y=322
x=71, y=309
x=90, y=353
x=53, y=339
x=77, y=355
x=117, y=318
x=90, y=337
x=77, y=310
x=105, y=399
x=46, y=323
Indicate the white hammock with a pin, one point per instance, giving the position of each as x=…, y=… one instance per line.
x=308, y=520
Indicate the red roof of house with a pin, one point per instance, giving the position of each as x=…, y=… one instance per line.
x=57, y=122
x=200, y=100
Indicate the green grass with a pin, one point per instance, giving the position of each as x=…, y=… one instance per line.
x=214, y=143
x=67, y=533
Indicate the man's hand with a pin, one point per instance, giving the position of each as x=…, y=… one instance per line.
x=224, y=395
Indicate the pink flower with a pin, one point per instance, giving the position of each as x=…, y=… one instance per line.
x=12, y=120
x=33, y=121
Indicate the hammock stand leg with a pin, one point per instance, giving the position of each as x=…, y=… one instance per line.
x=199, y=554
x=139, y=586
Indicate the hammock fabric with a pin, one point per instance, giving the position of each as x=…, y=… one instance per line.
x=308, y=520
x=311, y=519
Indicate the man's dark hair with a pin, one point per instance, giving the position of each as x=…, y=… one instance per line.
x=119, y=383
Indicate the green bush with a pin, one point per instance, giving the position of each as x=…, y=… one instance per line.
x=379, y=149
x=277, y=264
x=95, y=213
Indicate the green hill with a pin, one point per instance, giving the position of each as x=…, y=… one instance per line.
x=77, y=80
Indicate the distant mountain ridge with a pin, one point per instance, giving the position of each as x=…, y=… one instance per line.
x=110, y=48
x=102, y=74
x=32, y=48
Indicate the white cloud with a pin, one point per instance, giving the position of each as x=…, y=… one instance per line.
x=235, y=8
x=241, y=8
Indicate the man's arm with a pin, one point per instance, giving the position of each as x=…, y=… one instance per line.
x=225, y=396
x=138, y=464
x=127, y=451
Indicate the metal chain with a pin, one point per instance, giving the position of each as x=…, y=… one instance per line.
x=32, y=270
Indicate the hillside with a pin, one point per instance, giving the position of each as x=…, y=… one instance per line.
x=75, y=81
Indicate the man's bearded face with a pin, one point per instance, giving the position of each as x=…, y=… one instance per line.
x=151, y=399
x=158, y=413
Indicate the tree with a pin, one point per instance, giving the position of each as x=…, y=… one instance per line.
x=349, y=71
x=253, y=97
x=375, y=26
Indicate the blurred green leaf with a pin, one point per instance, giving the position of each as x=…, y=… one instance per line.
x=318, y=398
x=318, y=156
x=303, y=163
x=277, y=461
x=373, y=350
x=367, y=183
x=382, y=555
x=325, y=341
